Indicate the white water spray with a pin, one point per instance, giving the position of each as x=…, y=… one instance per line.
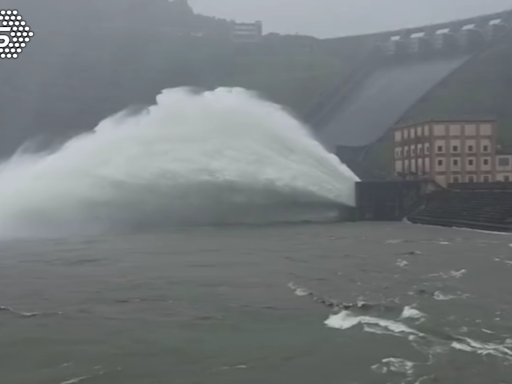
x=223, y=156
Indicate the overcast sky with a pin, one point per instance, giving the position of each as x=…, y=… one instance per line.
x=328, y=18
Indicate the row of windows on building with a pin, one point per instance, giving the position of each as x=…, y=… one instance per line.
x=502, y=162
x=486, y=162
x=439, y=149
x=444, y=130
x=471, y=162
x=473, y=179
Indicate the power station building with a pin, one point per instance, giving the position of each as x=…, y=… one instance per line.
x=451, y=151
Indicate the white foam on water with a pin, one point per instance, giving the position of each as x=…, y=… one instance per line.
x=232, y=368
x=394, y=364
x=378, y=330
x=346, y=319
x=395, y=241
x=299, y=291
x=469, y=345
x=193, y=158
x=402, y=263
x=400, y=365
x=411, y=313
x=456, y=274
x=428, y=344
x=379, y=368
x=421, y=379
x=76, y=380
x=442, y=297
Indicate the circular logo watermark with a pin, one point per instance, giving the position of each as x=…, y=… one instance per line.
x=15, y=34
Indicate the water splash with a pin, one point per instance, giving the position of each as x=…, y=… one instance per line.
x=223, y=156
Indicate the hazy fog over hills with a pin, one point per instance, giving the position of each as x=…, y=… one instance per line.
x=329, y=18
x=88, y=60
x=92, y=58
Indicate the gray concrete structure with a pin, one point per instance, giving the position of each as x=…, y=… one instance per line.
x=402, y=68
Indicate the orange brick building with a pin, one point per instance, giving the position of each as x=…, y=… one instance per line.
x=451, y=151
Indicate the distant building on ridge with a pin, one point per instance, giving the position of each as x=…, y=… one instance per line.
x=246, y=32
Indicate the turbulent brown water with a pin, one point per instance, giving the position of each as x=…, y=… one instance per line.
x=340, y=303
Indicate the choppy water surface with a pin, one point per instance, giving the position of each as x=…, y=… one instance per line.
x=339, y=303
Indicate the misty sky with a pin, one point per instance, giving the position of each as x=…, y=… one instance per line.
x=329, y=18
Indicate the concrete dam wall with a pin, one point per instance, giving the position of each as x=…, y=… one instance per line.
x=381, y=99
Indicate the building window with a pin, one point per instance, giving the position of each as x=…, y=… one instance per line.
x=486, y=179
x=471, y=162
x=485, y=148
x=440, y=149
x=471, y=148
x=440, y=162
x=419, y=151
x=412, y=151
x=485, y=161
x=427, y=148
x=455, y=162
x=406, y=151
x=506, y=178
x=471, y=179
x=503, y=161
x=456, y=179
x=455, y=148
